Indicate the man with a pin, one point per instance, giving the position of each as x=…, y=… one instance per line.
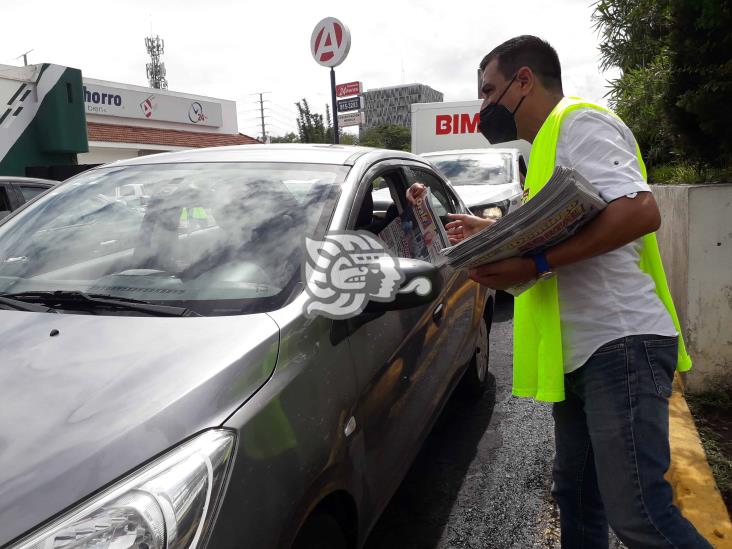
x=598, y=334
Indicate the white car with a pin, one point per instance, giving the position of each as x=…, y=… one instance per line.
x=487, y=180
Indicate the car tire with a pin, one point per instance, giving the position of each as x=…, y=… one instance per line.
x=474, y=379
x=321, y=531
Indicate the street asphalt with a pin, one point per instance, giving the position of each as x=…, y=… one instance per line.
x=483, y=477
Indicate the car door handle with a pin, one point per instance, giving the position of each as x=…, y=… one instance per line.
x=437, y=313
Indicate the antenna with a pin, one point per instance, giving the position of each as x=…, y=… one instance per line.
x=156, y=69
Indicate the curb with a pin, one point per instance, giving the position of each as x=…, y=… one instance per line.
x=695, y=491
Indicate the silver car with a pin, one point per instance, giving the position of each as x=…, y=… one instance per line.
x=160, y=384
x=487, y=180
x=16, y=191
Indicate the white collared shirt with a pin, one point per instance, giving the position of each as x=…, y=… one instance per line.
x=608, y=296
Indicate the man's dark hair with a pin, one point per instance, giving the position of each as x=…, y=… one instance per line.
x=528, y=51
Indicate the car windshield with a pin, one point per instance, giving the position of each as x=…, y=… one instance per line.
x=218, y=238
x=476, y=169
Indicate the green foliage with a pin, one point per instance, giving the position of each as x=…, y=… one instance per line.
x=387, y=136
x=686, y=173
x=311, y=126
x=676, y=84
x=348, y=139
x=700, y=87
x=638, y=98
x=712, y=411
x=287, y=138
x=316, y=128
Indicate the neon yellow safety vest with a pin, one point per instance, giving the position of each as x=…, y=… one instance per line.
x=538, y=366
x=197, y=213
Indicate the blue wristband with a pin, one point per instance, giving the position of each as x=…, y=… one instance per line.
x=542, y=265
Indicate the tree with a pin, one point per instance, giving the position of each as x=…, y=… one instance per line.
x=633, y=39
x=348, y=139
x=287, y=138
x=700, y=87
x=676, y=82
x=310, y=125
x=387, y=136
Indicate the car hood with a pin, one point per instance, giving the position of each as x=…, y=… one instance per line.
x=477, y=195
x=82, y=408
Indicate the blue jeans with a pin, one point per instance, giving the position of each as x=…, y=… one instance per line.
x=613, y=449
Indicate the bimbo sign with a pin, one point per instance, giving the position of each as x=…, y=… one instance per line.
x=330, y=42
x=446, y=124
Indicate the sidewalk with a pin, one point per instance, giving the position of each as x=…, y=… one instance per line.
x=695, y=491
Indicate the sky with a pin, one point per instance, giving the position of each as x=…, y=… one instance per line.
x=234, y=50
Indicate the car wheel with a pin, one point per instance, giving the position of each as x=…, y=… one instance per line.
x=321, y=531
x=474, y=380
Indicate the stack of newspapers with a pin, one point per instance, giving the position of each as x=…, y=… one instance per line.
x=562, y=206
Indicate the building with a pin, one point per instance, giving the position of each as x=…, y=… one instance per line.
x=56, y=123
x=125, y=121
x=392, y=105
x=42, y=121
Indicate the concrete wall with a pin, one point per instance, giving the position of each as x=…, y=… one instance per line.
x=696, y=246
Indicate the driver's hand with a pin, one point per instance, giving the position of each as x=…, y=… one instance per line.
x=416, y=192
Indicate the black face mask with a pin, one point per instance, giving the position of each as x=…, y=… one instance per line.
x=497, y=123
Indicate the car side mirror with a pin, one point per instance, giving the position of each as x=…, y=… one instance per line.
x=421, y=285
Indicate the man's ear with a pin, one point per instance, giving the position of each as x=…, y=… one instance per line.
x=526, y=79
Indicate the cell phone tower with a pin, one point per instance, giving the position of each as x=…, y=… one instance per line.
x=156, y=69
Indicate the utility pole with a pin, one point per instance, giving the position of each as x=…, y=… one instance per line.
x=262, y=100
x=25, y=57
x=261, y=112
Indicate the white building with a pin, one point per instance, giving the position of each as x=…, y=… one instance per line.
x=125, y=121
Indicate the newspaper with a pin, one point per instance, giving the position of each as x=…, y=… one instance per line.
x=417, y=233
x=558, y=210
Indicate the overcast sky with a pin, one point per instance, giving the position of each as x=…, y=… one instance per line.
x=232, y=49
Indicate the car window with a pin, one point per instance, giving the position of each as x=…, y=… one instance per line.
x=4, y=202
x=441, y=200
x=30, y=191
x=476, y=169
x=4, y=199
x=381, y=202
x=219, y=238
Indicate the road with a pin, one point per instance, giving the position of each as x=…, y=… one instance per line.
x=483, y=477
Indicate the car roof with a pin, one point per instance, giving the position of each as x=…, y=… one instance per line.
x=287, y=152
x=30, y=180
x=487, y=150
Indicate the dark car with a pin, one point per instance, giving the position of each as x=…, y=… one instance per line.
x=16, y=191
x=161, y=384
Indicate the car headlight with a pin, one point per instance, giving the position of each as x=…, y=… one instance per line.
x=168, y=504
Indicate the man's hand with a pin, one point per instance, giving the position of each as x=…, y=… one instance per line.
x=465, y=225
x=504, y=274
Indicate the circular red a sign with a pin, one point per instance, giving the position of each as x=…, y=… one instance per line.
x=330, y=42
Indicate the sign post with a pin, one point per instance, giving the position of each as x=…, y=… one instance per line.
x=329, y=45
x=333, y=111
